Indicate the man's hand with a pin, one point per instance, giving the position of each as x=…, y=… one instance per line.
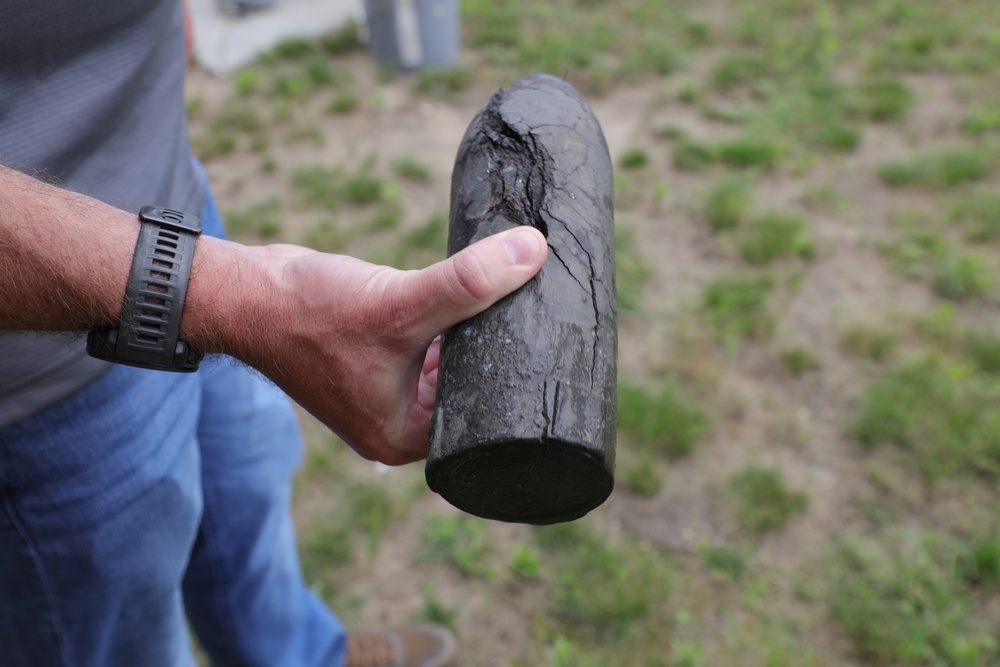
x=350, y=341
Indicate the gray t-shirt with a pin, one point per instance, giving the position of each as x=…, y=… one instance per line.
x=91, y=97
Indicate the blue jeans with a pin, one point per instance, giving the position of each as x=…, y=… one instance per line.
x=148, y=498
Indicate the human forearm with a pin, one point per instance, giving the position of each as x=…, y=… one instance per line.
x=64, y=258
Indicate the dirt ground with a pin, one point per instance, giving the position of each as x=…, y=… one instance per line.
x=767, y=415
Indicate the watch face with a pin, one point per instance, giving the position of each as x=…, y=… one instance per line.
x=167, y=217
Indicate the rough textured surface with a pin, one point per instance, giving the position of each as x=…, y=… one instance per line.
x=524, y=428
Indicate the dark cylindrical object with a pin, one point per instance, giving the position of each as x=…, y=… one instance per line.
x=524, y=428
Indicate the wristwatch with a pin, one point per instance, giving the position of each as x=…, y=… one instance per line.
x=148, y=335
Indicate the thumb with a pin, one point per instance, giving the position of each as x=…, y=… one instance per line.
x=472, y=280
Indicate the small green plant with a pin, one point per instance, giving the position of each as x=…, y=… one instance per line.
x=774, y=235
x=978, y=212
x=342, y=41
x=260, y=220
x=343, y=103
x=691, y=155
x=642, y=478
x=799, y=360
x=412, y=169
x=869, y=342
x=444, y=82
x=727, y=560
x=436, y=612
x=984, y=350
x=983, y=122
x=727, y=202
x=525, y=562
x=247, y=81
x=461, y=541
x=632, y=271
x=884, y=99
x=941, y=170
x=606, y=588
x=749, y=152
x=737, y=308
x=762, y=500
x=737, y=70
x=634, y=158
x=961, y=276
x=668, y=422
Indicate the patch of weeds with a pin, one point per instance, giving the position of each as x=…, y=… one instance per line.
x=883, y=99
x=727, y=202
x=238, y=117
x=943, y=414
x=363, y=187
x=564, y=652
x=799, y=360
x=983, y=122
x=461, y=541
x=917, y=249
x=365, y=512
x=980, y=564
x=775, y=235
x=342, y=41
x=762, y=499
x=823, y=199
x=737, y=70
x=634, y=158
x=294, y=49
x=606, y=588
x=668, y=422
x=632, y=271
x=961, y=276
x=737, y=308
x=246, y=81
x=749, y=152
x=318, y=186
x=260, y=220
x=939, y=170
x=563, y=537
x=903, y=601
x=642, y=478
x=869, y=342
x=525, y=562
x=328, y=236
x=436, y=612
x=306, y=134
x=411, y=169
x=727, y=560
x=343, y=103
x=984, y=351
x=429, y=236
x=979, y=213
x=445, y=82
x=213, y=145
x=691, y=155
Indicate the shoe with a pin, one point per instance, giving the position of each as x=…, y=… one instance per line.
x=409, y=646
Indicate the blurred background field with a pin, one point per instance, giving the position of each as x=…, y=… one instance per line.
x=808, y=244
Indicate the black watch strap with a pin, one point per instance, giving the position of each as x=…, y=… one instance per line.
x=149, y=333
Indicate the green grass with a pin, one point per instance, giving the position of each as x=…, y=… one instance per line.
x=258, y=221
x=884, y=99
x=983, y=349
x=668, y=422
x=642, y=477
x=727, y=202
x=632, y=270
x=978, y=213
x=962, y=276
x=460, y=541
x=938, y=170
x=942, y=414
x=775, y=235
x=799, y=360
x=412, y=169
x=737, y=308
x=633, y=158
x=868, y=342
x=904, y=601
x=762, y=500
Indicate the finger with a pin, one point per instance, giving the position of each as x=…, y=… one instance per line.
x=472, y=280
x=432, y=358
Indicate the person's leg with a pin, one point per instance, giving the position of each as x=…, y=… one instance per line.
x=244, y=591
x=99, y=505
